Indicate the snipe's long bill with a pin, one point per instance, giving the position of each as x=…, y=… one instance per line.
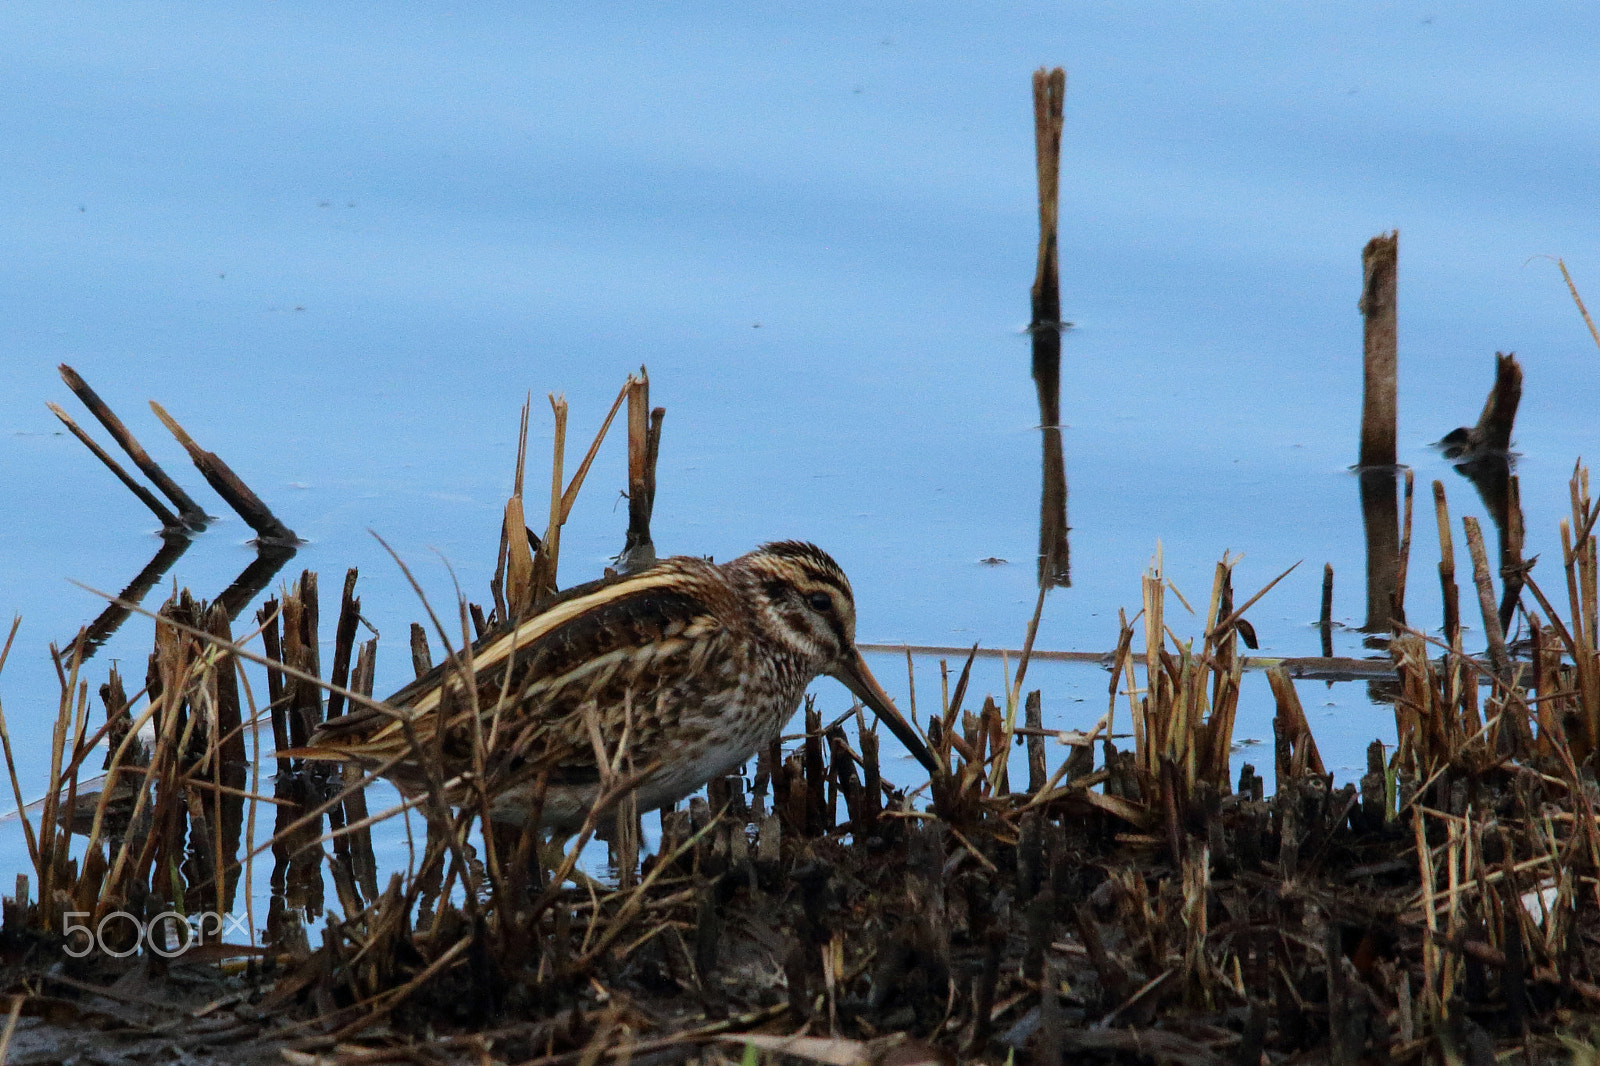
x=689, y=669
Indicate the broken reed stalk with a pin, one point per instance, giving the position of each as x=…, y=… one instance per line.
x=1580, y=635
x=1403, y=556
x=1183, y=727
x=11, y=763
x=169, y=521
x=224, y=754
x=1582, y=310
x=188, y=510
x=1325, y=615
x=1447, y=570
x=353, y=850
x=546, y=559
x=52, y=869
x=1512, y=567
x=421, y=658
x=1499, y=415
x=1049, y=99
x=644, y=443
x=1378, y=306
x=1498, y=655
x=519, y=594
x=513, y=563
x=246, y=504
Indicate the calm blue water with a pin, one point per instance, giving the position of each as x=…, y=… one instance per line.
x=341, y=244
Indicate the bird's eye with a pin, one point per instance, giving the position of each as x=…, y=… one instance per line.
x=820, y=601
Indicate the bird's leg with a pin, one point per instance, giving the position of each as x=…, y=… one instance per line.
x=553, y=852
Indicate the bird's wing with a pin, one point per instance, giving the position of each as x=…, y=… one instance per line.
x=629, y=650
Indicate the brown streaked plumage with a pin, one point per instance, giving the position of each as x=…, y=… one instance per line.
x=699, y=664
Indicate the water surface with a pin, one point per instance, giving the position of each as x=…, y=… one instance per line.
x=341, y=244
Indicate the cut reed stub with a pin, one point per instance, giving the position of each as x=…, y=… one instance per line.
x=1491, y=435
x=644, y=445
x=1380, y=352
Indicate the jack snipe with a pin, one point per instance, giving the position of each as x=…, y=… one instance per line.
x=693, y=666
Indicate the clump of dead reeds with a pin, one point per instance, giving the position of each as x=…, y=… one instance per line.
x=163, y=823
x=1083, y=899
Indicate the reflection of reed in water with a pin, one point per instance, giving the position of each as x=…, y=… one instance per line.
x=1483, y=456
x=173, y=545
x=1380, y=515
x=275, y=541
x=1497, y=487
x=235, y=598
x=1380, y=519
x=253, y=579
x=1049, y=96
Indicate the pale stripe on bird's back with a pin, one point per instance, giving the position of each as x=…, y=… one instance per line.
x=492, y=657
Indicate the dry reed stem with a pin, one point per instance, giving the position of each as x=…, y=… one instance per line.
x=547, y=559
x=11, y=1027
x=519, y=594
x=1049, y=96
x=169, y=521
x=522, y=446
x=245, y=503
x=1152, y=585
x=386, y=1001
x=1233, y=616
x=644, y=444
x=1378, y=306
x=1425, y=874
x=11, y=762
x=1403, y=563
x=1015, y=692
x=637, y=896
x=193, y=515
x=1486, y=599
x=498, y=580
x=255, y=786
x=1582, y=310
x=51, y=835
